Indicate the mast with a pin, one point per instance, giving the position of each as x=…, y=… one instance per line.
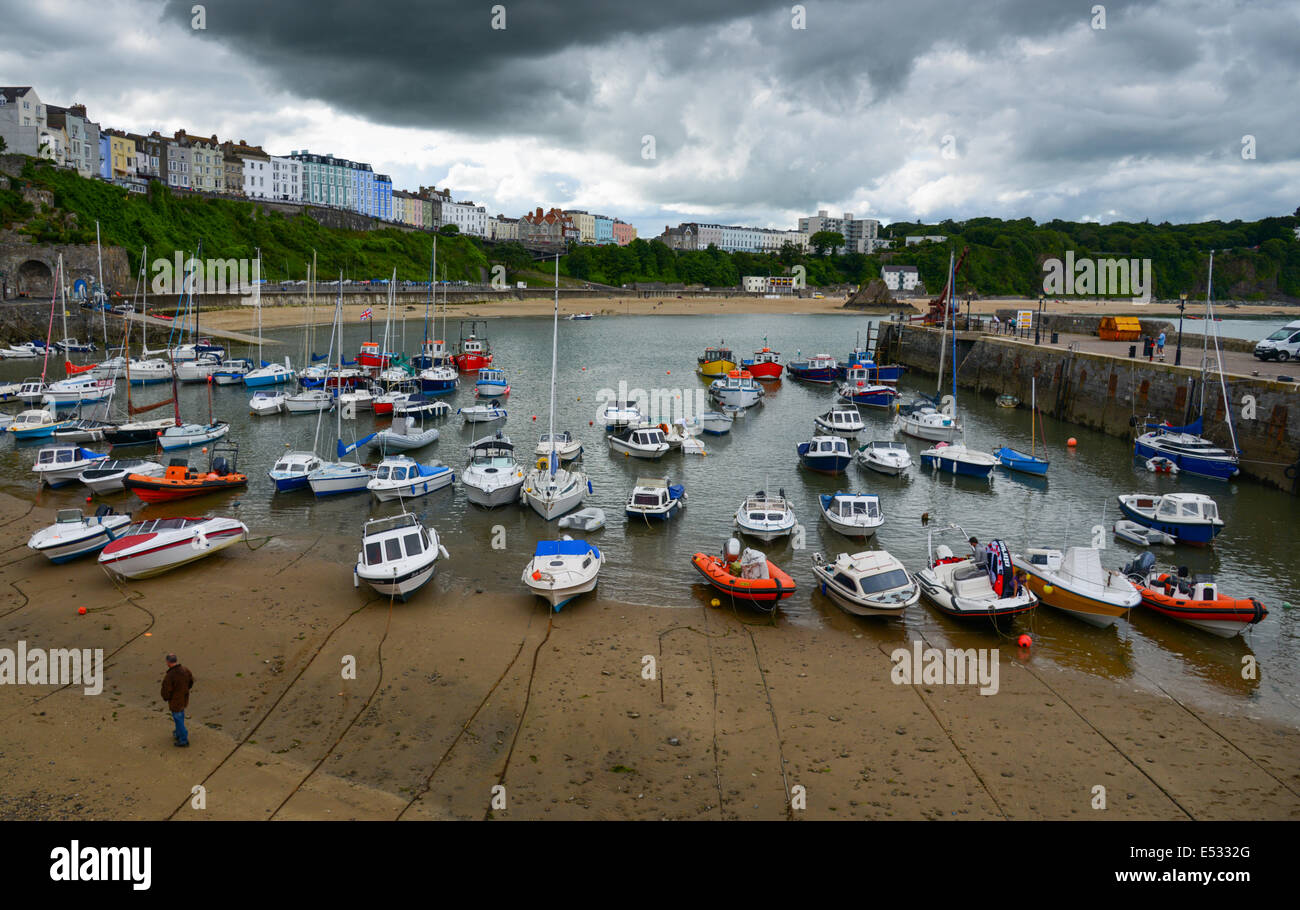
x=1033, y=412
x=1223, y=384
x=144, y=308
x=943, y=338
x=259, y=312
x=103, y=313
x=433, y=266
x=198, y=264
x=63, y=289
x=555, y=340
x=54, y=296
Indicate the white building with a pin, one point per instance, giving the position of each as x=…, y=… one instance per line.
x=286, y=179
x=754, y=284
x=257, y=177
x=901, y=277
x=503, y=228
x=860, y=234
x=22, y=119
x=468, y=217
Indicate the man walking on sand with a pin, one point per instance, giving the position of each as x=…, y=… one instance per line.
x=176, y=688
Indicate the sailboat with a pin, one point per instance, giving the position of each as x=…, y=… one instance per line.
x=76, y=389
x=267, y=374
x=137, y=432
x=340, y=476
x=1191, y=452
x=1015, y=460
x=956, y=458
x=552, y=490
x=186, y=435
x=433, y=352
x=442, y=375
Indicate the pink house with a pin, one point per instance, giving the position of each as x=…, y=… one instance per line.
x=624, y=233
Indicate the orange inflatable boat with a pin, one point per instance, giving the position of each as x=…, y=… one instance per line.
x=1199, y=603
x=760, y=591
x=181, y=482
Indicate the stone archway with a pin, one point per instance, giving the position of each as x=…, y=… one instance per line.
x=34, y=279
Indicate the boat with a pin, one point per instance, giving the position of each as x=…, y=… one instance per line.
x=188, y=435
x=840, y=420
x=956, y=458
x=61, y=464
x=269, y=374
x=821, y=369
x=1142, y=536
x=550, y=488
x=74, y=534
x=493, y=477
x=308, y=401
x=83, y=429
x=357, y=398
x=579, y=317
x=566, y=446
x=491, y=382
x=858, y=389
x=1008, y=401
x=32, y=391
x=483, y=413
x=960, y=588
x=923, y=420
x=1194, y=600
x=1161, y=465
x=640, y=442
x=1189, y=452
x=107, y=476
x=884, y=456
x=876, y=374
x=438, y=380
x=200, y=369
x=738, y=389
x=1022, y=462
x=1074, y=582
x=25, y=351
x=149, y=371
x=655, y=499
x=36, y=424
x=716, y=362
x=619, y=415
x=406, y=434
x=264, y=403
x=715, y=423
x=871, y=583
x=765, y=365
x=766, y=517
x=419, y=406
x=591, y=519
x=371, y=357
x=560, y=570
x=852, y=514
x=1191, y=518
x=180, y=481
x=760, y=582
x=158, y=545
x=68, y=393
x=291, y=469
x=9, y=390
x=826, y=454
x=402, y=477
x=474, y=352
x=232, y=372
x=398, y=555
x=137, y=432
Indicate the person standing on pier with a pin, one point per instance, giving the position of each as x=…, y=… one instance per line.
x=1160, y=347
x=176, y=688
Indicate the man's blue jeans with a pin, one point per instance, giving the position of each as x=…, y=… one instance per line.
x=181, y=735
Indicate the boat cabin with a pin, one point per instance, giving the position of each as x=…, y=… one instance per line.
x=842, y=419
x=389, y=540
x=55, y=456
x=767, y=355
x=855, y=509
x=827, y=445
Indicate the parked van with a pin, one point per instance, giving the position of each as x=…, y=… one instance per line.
x=1284, y=344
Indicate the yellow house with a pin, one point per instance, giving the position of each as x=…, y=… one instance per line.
x=122, y=150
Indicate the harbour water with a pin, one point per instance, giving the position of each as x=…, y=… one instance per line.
x=650, y=566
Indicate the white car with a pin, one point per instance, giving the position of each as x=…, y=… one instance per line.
x=1282, y=345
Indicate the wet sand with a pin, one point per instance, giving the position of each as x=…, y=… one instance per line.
x=473, y=684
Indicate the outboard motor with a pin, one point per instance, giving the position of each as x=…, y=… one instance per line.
x=1141, y=567
x=220, y=467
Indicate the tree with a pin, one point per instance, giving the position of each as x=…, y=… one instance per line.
x=449, y=230
x=3, y=144
x=826, y=240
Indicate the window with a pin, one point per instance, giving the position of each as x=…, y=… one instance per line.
x=414, y=545
x=374, y=554
x=393, y=548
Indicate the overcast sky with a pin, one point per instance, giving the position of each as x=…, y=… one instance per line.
x=916, y=110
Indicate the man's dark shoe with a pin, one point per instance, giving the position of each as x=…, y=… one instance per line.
x=181, y=745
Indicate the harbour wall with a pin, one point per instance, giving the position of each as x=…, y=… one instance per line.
x=1105, y=393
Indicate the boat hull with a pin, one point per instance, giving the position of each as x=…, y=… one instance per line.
x=1199, y=534
x=173, y=555
x=1094, y=611
x=765, y=593
x=1021, y=462
x=401, y=586
x=1213, y=469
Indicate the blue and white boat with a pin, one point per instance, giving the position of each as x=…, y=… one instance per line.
x=1187, y=517
x=402, y=477
x=859, y=389
x=232, y=372
x=852, y=514
x=291, y=470
x=655, y=499
x=269, y=374
x=1023, y=462
x=820, y=369
x=562, y=569
x=1186, y=448
x=738, y=388
x=491, y=382
x=826, y=454
x=36, y=424
x=877, y=374
x=74, y=534
x=957, y=459
x=438, y=380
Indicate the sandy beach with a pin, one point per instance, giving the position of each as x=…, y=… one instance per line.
x=473, y=685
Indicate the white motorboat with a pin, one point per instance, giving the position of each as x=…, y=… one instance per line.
x=398, y=555
x=107, y=476
x=264, y=403
x=590, y=519
x=1142, y=536
x=418, y=405
x=57, y=465
x=956, y=458
x=78, y=390
x=562, y=569
x=291, y=470
x=962, y=589
x=25, y=351
x=640, y=442
x=158, y=545
x=84, y=429
x=113, y=368
x=619, y=415
x=340, y=477
x=9, y=390
x=199, y=369
x=885, y=456
x=148, y=372
x=308, y=401
x=358, y=398
x=552, y=493
x=1188, y=517
x=766, y=516
x=839, y=421
x=924, y=421
x=269, y=374
x=1074, y=582
x=566, y=446
x=402, y=477
x=74, y=534
x=871, y=583
x=655, y=499
x=32, y=391
x=232, y=372
x=715, y=423
x=483, y=413
x=404, y=435
x=493, y=477
x=186, y=435
x=37, y=423
x=852, y=514
x=738, y=388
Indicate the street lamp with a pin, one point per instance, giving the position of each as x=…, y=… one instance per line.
x=1182, y=305
x=1038, y=323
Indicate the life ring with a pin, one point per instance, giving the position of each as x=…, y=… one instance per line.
x=541, y=464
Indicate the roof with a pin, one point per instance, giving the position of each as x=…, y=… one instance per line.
x=899, y=268
x=14, y=92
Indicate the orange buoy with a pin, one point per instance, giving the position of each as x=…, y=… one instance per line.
x=1024, y=641
x=81, y=611
x=537, y=576
x=1072, y=442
